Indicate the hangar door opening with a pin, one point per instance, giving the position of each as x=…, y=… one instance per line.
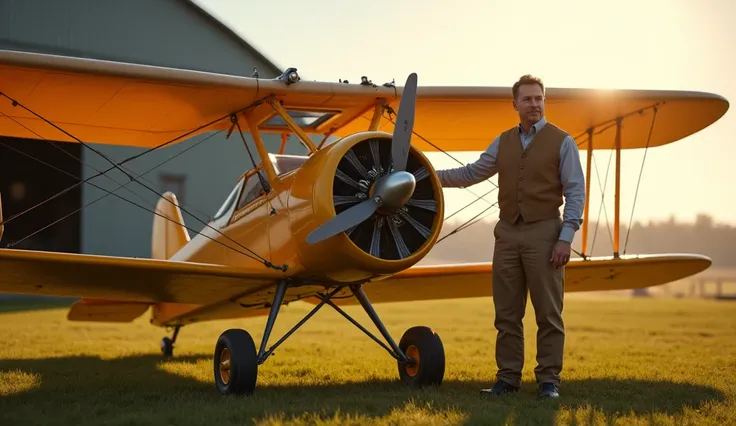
x=26, y=181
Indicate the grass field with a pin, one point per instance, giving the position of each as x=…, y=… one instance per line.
x=648, y=361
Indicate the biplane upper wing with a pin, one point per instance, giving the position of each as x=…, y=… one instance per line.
x=138, y=105
x=476, y=279
x=127, y=279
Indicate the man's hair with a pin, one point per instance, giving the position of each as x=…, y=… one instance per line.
x=526, y=79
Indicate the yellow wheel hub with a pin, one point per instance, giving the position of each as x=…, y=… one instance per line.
x=225, y=366
x=413, y=353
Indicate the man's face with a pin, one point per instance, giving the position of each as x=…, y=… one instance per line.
x=529, y=102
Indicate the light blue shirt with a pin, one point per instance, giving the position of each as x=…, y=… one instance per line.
x=571, y=176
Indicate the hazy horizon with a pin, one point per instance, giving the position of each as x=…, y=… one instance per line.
x=666, y=44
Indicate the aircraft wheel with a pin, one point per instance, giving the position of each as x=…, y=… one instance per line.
x=167, y=347
x=235, y=363
x=424, y=346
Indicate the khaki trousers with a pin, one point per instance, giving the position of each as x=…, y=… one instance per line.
x=521, y=264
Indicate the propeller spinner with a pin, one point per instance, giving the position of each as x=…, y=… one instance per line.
x=394, y=189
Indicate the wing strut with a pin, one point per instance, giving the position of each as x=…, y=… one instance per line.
x=617, y=191
x=301, y=135
x=596, y=129
x=616, y=238
x=264, y=184
x=586, y=207
x=638, y=181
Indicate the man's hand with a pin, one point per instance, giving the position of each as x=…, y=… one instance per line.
x=560, y=254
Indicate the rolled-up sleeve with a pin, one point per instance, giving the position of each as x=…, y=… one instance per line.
x=573, y=184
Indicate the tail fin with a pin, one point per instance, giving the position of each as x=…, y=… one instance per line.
x=169, y=235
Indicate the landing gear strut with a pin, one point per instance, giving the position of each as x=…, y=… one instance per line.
x=420, y=354
x=167, y=345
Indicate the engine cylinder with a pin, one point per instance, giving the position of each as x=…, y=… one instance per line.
x=342, y=175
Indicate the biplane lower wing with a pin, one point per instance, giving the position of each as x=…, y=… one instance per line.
x=476, y=279
x=125, y=279
x=120, y=289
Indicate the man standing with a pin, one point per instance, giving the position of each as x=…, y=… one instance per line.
x=537, y=163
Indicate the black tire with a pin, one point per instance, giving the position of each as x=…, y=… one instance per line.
x=424, y=343
x=237, y=346
x=167, y=347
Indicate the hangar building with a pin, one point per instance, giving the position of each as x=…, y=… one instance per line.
x=168, y=33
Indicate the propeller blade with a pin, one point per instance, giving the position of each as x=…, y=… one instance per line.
x=344, y=221
x=404, y=124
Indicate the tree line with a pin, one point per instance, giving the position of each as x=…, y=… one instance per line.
x=703, y=236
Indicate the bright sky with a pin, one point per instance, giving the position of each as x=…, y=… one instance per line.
x=632, y=44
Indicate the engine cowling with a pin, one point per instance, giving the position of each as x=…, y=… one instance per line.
x=341, y=175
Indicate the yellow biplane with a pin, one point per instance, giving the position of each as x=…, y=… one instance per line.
x=345, y=223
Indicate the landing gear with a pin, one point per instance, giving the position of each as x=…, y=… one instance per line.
x=236, y=364
x=420, y=354
x=424, y=347
x=167, y=345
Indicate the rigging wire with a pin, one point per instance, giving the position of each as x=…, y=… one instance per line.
x=470, y=204
x=131, y=158
x=56, y=146
x=478, y=197
x=466, y=224
x=602, y=127
x=63, y=172
x=234, y=118
x=116, y=195
x=612, y=122
x=446, y=153
x=602, y=207
x=132, y=179
x=264, y=185
x=641, y=169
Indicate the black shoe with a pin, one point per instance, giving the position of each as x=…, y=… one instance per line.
x=548, y=390
x=499, y=388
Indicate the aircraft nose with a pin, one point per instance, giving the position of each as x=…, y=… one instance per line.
x=395, y=190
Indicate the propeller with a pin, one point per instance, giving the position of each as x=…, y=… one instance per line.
x=390, y=191
x=404, y=124
x=345, y=220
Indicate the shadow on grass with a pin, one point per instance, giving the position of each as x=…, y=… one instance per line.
x=18, y=303
x=139, y=389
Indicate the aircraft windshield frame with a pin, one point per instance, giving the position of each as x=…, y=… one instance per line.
x=228, y=206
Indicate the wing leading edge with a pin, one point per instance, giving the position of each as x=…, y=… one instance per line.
x=476, y=279
x=122, y=279
x=145, y=106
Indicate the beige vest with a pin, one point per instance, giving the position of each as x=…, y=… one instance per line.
x=529, y=181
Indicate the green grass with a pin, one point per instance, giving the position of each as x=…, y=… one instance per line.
x=653, y=361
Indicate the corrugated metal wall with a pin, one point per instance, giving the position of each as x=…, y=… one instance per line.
x=168, y=33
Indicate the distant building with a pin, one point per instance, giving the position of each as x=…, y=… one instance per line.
x=169, y=33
